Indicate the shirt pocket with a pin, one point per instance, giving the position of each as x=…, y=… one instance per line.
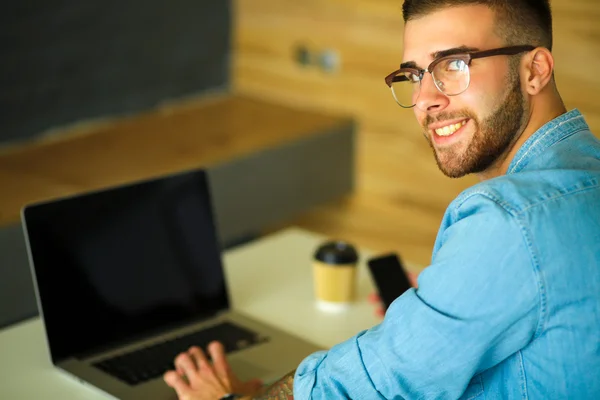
x=474, y=389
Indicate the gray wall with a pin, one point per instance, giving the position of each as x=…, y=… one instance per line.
x=71, y=60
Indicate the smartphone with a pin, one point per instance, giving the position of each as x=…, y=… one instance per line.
x=390, y=277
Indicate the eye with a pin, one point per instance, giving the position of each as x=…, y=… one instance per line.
x=407, y=77
x=456, y=65
x=412, y=78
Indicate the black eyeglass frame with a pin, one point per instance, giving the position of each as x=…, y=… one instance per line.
x=466, y=57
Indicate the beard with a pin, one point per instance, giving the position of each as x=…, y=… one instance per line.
x=492, y=138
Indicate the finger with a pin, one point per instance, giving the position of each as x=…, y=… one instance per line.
x=198, y=355
x=208, y=379
x=379, y=311
x=175, y=381
x=374, y=297
x=413, y=278
x=217, y=354
x=186, y=364
x=178, y=368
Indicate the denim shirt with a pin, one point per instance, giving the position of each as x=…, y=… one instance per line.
x=509, y=307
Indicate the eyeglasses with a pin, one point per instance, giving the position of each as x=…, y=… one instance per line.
x=450, y=74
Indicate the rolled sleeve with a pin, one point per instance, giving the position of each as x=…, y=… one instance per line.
x=477, y=303
x=335, y=374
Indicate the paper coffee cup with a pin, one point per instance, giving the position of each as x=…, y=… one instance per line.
x=334, y=273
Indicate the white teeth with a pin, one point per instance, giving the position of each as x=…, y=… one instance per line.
x=449, y=129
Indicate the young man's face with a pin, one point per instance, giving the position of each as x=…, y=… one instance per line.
x=492, y=108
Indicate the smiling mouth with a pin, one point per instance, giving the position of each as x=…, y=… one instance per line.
x=450, y=129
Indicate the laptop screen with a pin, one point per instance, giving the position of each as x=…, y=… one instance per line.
x=115, y=264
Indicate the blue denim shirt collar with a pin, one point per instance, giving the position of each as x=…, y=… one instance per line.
x=552, y=132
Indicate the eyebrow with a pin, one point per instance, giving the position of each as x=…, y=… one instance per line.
x=452, y=51
x=441, y=53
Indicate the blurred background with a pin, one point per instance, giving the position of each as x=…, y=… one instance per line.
x=87, y=87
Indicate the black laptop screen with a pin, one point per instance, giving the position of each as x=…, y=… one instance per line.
x=117, y=263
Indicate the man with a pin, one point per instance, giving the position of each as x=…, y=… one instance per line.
x=510, y=305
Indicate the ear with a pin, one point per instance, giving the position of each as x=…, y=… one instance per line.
x=538, y=70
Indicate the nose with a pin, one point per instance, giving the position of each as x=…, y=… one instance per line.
x=430, y=99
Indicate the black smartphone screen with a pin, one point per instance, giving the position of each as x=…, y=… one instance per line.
x=389, y=276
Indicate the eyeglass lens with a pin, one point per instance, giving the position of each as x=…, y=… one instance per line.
x=451, y=77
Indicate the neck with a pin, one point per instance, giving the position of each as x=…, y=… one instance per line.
x=541, y=112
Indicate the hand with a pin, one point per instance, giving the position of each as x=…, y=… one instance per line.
x=374, y=297
x=196, y=379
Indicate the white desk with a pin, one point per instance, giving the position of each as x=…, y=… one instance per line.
x=270, y=279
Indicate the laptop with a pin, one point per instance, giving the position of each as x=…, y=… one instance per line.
x=128, y=277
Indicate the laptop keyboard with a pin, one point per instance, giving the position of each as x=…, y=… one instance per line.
x=151, y=362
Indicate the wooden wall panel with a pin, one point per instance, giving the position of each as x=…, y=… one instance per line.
x=365, y=34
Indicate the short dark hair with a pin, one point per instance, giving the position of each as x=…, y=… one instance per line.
x=518, y=21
